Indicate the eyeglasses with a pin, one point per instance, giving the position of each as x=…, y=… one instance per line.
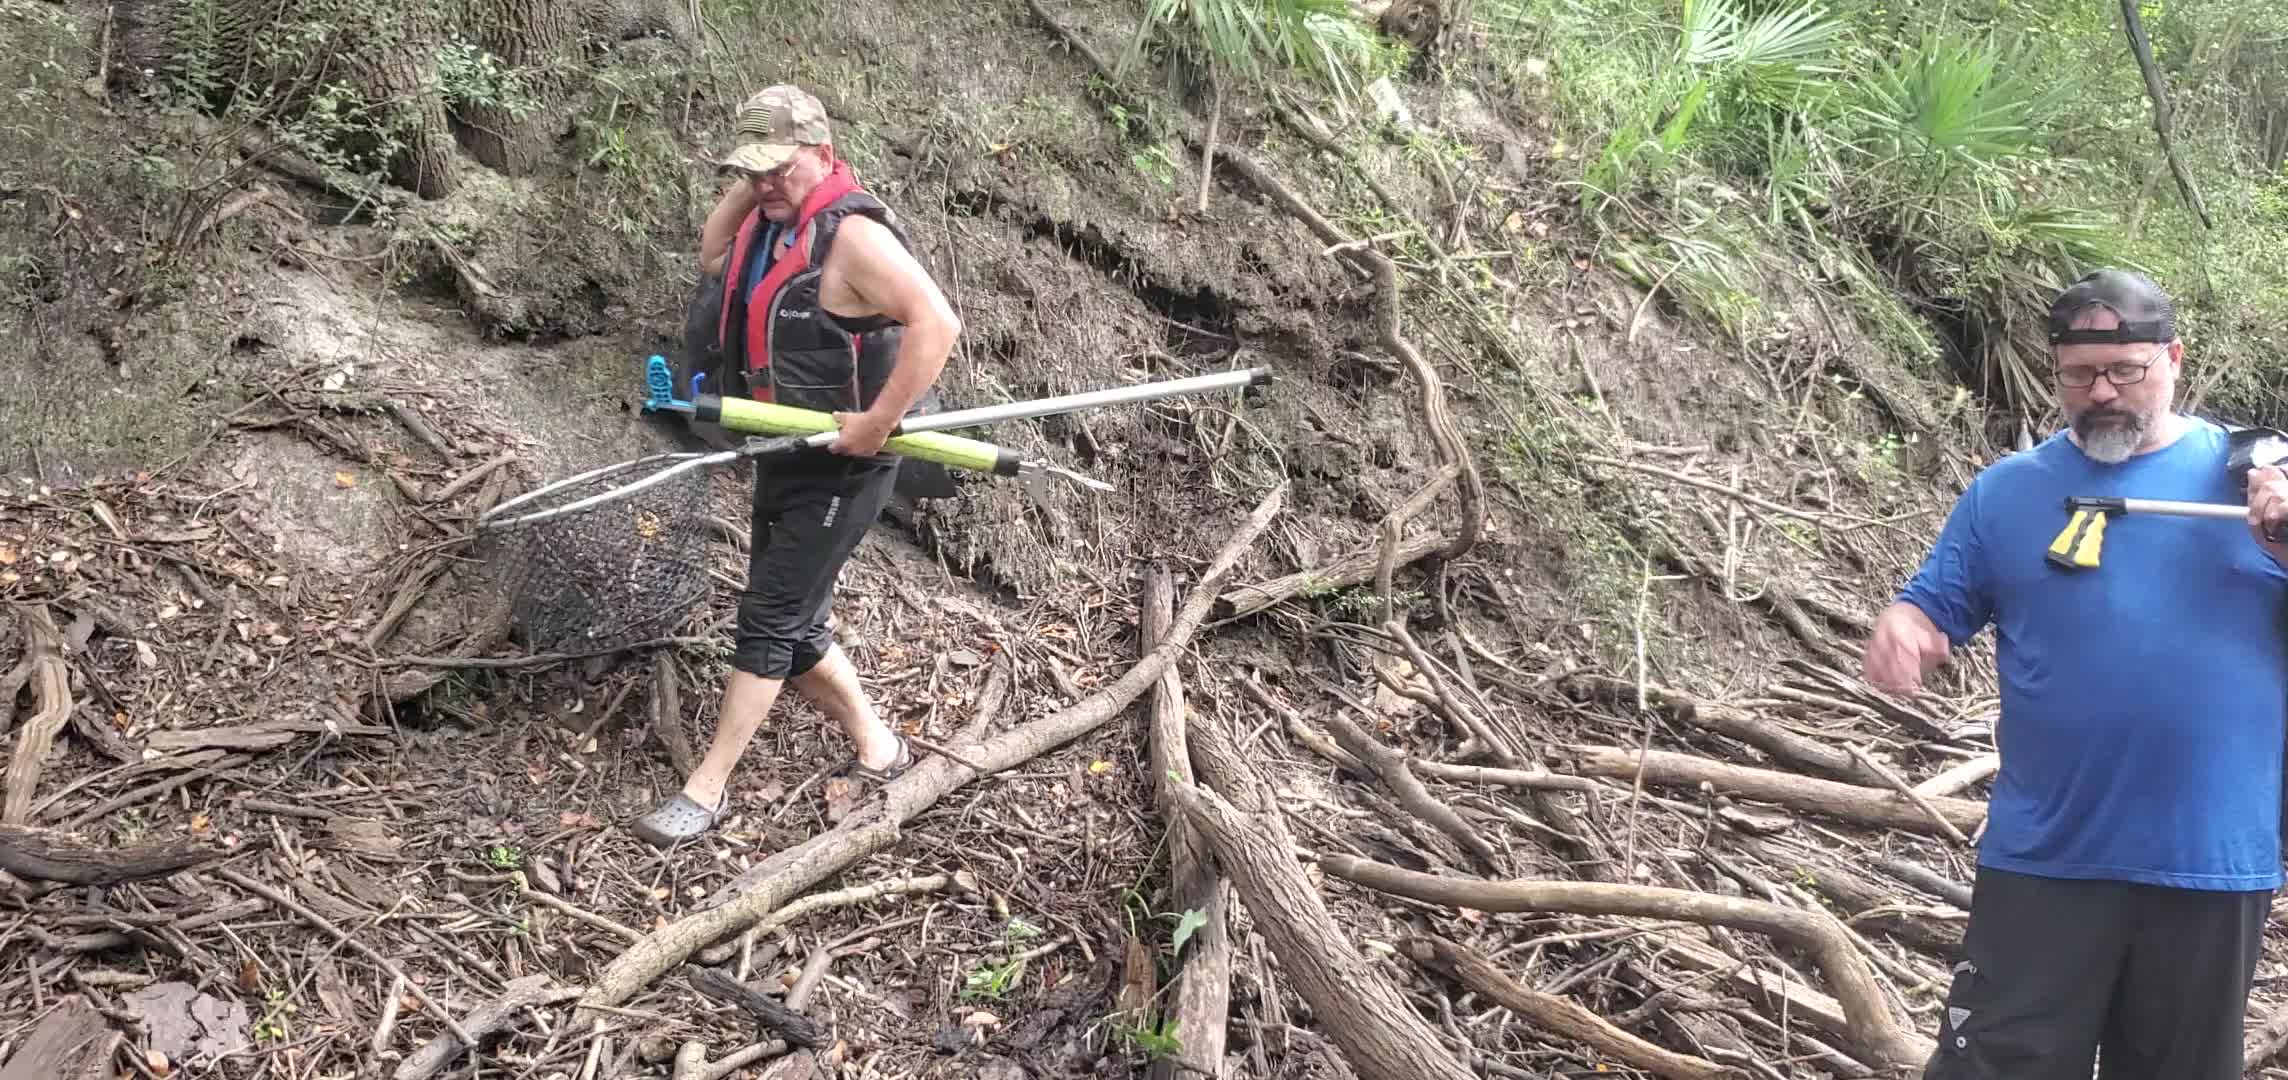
x=2122, y=374
x=771, y=177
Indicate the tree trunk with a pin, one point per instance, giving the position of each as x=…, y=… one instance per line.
x=538, y=41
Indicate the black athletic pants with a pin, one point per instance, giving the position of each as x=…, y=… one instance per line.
x=810, y=514
x=2150, y=983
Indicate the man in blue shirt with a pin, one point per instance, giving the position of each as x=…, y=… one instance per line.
x=2132, y=844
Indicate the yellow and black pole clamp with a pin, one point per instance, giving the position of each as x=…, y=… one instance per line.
x=2079, y=544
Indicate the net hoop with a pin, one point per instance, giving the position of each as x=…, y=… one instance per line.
x=596, y=562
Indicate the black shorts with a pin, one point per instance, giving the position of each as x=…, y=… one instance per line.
x=810, y=514
x=2146, y=982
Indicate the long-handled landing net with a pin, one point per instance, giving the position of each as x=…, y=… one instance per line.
x=588, y=567
x=617, y=556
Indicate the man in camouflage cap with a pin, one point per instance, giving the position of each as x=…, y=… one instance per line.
x=823, y=306
x=775, y=126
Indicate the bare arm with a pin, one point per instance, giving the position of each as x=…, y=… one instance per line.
x=1905, y=649
x=722, y=226
x=887, y=279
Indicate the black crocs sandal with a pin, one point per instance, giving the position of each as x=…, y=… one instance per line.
x=678, y=819
x=897, y=768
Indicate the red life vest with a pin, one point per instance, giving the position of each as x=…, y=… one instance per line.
x=790, y=350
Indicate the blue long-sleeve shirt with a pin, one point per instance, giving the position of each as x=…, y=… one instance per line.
x=2143, y=700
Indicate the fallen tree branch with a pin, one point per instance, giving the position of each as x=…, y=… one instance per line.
x=1872, y=1025
x=51, y=675
x=1556, y=1015
x=1201, y=1000
x=1390, y=764
x=759, y=892
x=48, y=855
x=1380, y=1035
x=490, y=1018
x=1848, y=802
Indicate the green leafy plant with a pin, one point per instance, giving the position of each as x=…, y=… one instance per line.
x=1154, y=1042
x=1237, y=44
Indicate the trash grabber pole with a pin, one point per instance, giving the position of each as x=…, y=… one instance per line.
x=2080, y=545
x=921, y=436
x=662, y=399
x=2170, y=507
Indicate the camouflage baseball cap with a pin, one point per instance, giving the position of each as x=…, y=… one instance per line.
x=773, y=124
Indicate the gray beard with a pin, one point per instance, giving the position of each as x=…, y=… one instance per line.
x=2114, y=440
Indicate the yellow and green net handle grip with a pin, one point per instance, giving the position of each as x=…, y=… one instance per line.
x=751, y=417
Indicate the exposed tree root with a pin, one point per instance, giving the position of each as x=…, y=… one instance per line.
x=1555, y=1014
x=1849, y=802
x=787, y=873
x=1453, y=451
x=1872, y=908
x=1241, y=601
x=1871, y=1025
x=1454, y=456
x=1201, y=1001
x=1785, y=746
x=1357, y=1005
x=1391, y=766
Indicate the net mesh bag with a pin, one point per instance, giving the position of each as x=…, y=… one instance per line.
x=584, y=574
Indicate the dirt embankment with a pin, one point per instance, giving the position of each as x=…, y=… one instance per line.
x=250, y=615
